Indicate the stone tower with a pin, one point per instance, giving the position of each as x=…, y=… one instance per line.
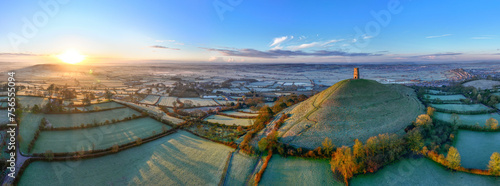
x=356, y=73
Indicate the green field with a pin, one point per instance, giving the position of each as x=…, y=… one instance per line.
x=236, y=113
x=455, y=97
x=100, y=106
x=4, y=119
x=29, y=124
x=421, y=172
x=228, y=120
x=475, y=148
x=31, y=101
x=461, y=107
x=240, y=169
x=101, y=137
x=178, y=159
x=150, y=99
x=298, y=171
x=467, y=119
x=76, y=119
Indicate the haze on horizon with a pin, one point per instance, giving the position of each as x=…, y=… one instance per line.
x=250, y=31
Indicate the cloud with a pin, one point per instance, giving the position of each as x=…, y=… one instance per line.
x=163, y=47
x=432, y=56
x=279, y=40
x=496, y=54
x=303, y=46
x=444, y=35
x=332, y=41
x=21, y=54
x=247, y=52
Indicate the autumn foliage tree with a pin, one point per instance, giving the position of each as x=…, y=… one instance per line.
x=494, y=164
x=343, y=162
x=453, y=158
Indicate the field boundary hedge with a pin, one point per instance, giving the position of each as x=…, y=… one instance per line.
x=477, y=112
x=234, y=116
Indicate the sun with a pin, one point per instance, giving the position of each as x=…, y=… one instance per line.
x=71, y=56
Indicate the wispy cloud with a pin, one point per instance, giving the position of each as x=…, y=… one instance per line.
x=444, y=35
x=279, y=40
x=303, y=46
x=496, y=54
x=432, y=56
x=163, y=47
x=284, y=53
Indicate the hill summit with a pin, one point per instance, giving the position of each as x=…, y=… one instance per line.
x=351, y=109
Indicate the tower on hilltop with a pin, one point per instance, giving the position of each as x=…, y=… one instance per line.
x=356, y=73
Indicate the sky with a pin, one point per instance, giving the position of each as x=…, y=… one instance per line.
x=262, y=31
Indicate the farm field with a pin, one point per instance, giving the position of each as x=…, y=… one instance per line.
x=100, y=106
x=178, y=159
x=101, y=137
x=467, y=119
x=150, y=99
x=229, y=120
x=455, y=97
x=421, y=172
x=236, y=113
x=475, y=148
x=3, y=116
x=461, y=107
x=198, y=102
x=155, y=111
x=297, y=171
x=240, y=169
x=167, y=101
x=76, y=119
x=30, y=101
x=482, y=84
x=436, y=92
x=29, y=124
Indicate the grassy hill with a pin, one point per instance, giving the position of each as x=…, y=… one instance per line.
x=349, y=110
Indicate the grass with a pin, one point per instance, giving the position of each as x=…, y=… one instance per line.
x=235, y=113
x=455, y=97
x=348, y=110
x=100, y=106
x=100, y=137
x=154, y=110
x=421, y=172
x=4, y=119
x=467, y=119
x=229, y=120
x=31, y=101
x=475, y=148
x=167, y=101
x=29, y=124
x=298, y=171
x=76, y=119
x=482, y=84
x=178, y=159
x=150, y=99
x=461, y=107
x=240, y=169
x=198, y=102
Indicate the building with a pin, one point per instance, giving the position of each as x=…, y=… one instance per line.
x=356, y=73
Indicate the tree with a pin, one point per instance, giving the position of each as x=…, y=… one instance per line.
x=455, y=119
x=430, y=111
x=327, y=145
x=414, y=140
x=453, y=158
x=424, y=120
x=358, y=149
x=492, y=123
x=263, y=143
x=108, y=95
x=494, y=165
x=343, y=161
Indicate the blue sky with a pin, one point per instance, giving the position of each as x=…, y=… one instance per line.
x=251, y=31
